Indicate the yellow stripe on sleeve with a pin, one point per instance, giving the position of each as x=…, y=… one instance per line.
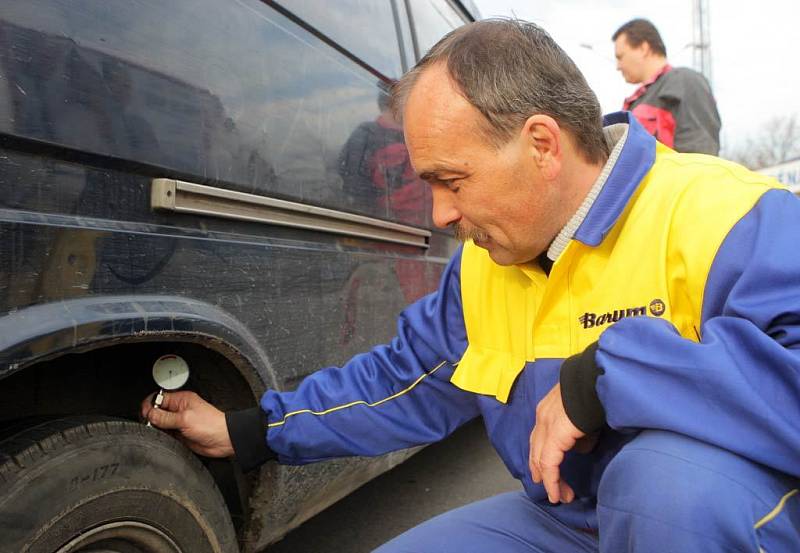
x=776, y=511
x=359, y=402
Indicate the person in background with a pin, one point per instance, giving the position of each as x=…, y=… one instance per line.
x=674, y=104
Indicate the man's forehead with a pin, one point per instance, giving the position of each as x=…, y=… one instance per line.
x=623, y=43
x=435, y=104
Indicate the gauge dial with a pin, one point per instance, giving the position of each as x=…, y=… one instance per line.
x=170, y=372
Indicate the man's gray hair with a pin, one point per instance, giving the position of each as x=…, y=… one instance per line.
x=510, y=70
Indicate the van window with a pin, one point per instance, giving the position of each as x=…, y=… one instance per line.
x=432, y=20
x=238, y=97
x=365, y=28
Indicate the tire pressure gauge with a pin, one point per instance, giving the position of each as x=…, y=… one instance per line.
x=170, y=373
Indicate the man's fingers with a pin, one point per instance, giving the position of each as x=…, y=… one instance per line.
x=551, y=478
x=552, y=436
x=549, y=466
x=179, y=401
x=548, y=472
x=147, y=404
x=534, y=455
x=567, y=495
x=164, y=419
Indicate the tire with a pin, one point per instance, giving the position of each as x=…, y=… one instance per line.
x=92, y=484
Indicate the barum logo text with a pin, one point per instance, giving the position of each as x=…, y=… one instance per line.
x=591, y=320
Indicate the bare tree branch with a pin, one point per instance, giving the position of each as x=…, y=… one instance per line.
x=777, y=141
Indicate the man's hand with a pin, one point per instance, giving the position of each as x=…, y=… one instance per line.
x=200, y=425
x=553, y=435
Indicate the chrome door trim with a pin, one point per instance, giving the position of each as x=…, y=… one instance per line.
x=187, y=197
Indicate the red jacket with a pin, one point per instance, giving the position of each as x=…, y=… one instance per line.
x=678, y=108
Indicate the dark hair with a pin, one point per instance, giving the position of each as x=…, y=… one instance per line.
x=637, y=31
x=510, y=70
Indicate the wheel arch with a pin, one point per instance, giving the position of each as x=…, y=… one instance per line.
x=46, y=331
x=92, y=356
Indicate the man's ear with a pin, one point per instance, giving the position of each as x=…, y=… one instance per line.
x=544, y=139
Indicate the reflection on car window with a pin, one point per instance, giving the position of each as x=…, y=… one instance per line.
x=375, y=167
x=432, y=20
x=220, y=112
x=366, y=28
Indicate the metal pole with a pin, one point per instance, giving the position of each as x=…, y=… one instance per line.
x=701, y=44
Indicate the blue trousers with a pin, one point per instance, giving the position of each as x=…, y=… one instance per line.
x=661, y=493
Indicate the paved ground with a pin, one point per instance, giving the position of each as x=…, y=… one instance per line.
x=459, y=470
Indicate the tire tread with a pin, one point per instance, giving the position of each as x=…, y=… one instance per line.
x=25, y=448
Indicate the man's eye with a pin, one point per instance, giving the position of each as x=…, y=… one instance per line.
x=451, y=184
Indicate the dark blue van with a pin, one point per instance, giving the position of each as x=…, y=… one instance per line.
x=218, y=180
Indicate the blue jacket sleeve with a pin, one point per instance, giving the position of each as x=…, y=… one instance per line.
x=396, y=396
x=739, y=387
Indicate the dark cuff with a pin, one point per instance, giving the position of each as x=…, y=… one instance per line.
x=248, y=431
x=579, y=393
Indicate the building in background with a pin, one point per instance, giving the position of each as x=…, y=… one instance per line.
x=788, y=173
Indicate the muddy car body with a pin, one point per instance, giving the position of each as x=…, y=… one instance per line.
x=214, y=179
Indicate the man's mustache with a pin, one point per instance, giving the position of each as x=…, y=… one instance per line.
x=463, y=234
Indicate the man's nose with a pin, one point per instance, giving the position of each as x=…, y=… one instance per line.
x=445, y=212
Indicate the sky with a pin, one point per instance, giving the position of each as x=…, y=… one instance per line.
x=754, y=51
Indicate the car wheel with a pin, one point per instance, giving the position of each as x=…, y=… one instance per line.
x=91, y=485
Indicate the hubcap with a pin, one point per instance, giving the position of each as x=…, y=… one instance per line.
x=125, y=536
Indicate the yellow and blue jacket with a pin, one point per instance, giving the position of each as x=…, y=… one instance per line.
x=686, y=273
